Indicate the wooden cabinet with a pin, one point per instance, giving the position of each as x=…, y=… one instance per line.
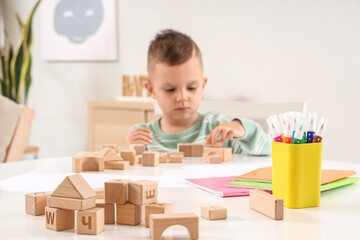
x=109, y=121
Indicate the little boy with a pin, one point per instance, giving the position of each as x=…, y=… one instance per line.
x=176, y=81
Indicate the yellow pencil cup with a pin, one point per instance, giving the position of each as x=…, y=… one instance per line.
x=296, y=173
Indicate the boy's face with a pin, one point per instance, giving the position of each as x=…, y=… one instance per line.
x=178, y=89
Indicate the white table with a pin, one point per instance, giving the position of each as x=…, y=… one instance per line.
x=338, y=216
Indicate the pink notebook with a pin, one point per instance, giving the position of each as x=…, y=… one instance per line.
x=216, y=185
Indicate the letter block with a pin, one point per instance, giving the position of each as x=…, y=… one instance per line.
x=59, y=219
x=150, y=159
x=90, y=221
x=143, y=192
x=214, y=212
x=156, y=208
x=117, y=191
x=109, y=210
x=35, y=203
x=267, y=204
x=128, y=214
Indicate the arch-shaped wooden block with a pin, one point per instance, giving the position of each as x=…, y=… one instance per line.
x=160, y=222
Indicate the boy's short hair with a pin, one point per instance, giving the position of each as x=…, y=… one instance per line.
x=173, y=48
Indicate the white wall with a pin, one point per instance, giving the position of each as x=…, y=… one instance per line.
x=253, y=50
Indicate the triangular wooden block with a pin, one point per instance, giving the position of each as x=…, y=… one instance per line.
x=109, y=154
x=74, y=186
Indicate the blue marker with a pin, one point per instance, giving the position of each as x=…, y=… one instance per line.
x=311, y=127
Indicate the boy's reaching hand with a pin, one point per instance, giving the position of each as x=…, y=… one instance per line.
x=139, y=136
x=228, y=130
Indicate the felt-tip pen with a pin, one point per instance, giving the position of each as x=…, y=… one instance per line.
x=311, y=127
x=274, y=129
x=299, y=132
x=320, y=132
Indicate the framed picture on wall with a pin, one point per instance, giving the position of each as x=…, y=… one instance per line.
x=79, y=30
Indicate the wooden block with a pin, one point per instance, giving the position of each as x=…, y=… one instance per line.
x=197, y=150
x=128, y=214
x=59, y=219
x=227, y=154
x=35, y=203
x=109, y=154
x=267, y=204
x=214, y=212
x=174, y=153
x=150, y=159
x=176, y=159
x=117, y=191
x=74, y=186
x=100, y=193
x=156, y=208
x=212, y=152
x=128, y=155
x=82, y=164
x=118, y=165
x=214, y=159
x=143, y=192
x=71, y=203
x=90, y=221
x=109, y=210
x=113, y=146
x=184, y=148
x=138, y=159
x=162, y=157
x=160, y=222
x=138, y=148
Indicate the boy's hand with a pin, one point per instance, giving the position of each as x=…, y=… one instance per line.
x=228, y=130
x=139, y=136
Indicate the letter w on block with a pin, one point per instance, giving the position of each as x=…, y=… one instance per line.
x=50, y=216
x=150, y=194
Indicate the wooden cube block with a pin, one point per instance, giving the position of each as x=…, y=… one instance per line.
x=227, y=154
x=71, y=203
x=59, y=219
x=35, y=203
x=82, y=164
x=150, y=159
x=109, y=210
x=90, y=221
x=267, y=204
x=214, y=212
x=113, y=146
x=118, y=165
x=128, y=155
x=100, y=193
x=156, y=208
x=138, y=159
x=176, y=159
x=139, y=148
x=197, y=150
x=184, y=148
x=143, y=192
x=117, y=191
x=128, y=214
x=162, y=157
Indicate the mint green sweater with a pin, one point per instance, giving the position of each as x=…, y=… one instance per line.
x=255, y=141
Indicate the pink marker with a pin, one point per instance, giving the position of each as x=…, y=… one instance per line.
x=274, y=129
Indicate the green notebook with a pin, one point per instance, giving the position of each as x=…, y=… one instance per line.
x=268, y=186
